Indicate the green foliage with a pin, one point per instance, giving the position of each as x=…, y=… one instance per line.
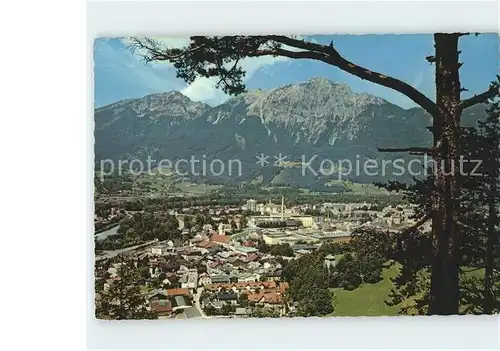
x=265, y=313
x=367, y=299
x=188, y=224
x=363, y=261
x=281, y=250
x=309, y=284
x=122, y=299
x=263, y=247
x=319, y=303
x=347, y=273
x=144, y=272
x=276, y=250
x=273, y=224
x=227, y=309
x=243, y=300
x=147, y=226
x=312, y=212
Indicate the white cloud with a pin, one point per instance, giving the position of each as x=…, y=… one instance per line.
x=417, y=80
x=204, y=89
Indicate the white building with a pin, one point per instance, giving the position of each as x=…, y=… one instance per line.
x=252, y=205
x=190, y=281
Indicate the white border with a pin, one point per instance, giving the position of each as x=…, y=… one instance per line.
x=114, y=18
x=117, y=18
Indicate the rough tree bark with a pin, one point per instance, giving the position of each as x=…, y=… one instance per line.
x=445, y=205
x=489, y=299
x=492, y=202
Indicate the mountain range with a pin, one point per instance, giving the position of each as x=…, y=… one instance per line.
x=316, y=117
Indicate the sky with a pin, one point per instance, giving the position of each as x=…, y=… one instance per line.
x=121, y=74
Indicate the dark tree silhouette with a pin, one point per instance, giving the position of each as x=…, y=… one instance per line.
x=219, y=57
x=121, y=299
x=482, y=198
x=491, y=130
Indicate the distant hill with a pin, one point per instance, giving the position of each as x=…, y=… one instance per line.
x=317, y=117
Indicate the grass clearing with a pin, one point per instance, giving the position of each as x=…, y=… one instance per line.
x=368, y=299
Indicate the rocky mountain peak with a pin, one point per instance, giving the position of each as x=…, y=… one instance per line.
x=173, y=104
x=311, y=107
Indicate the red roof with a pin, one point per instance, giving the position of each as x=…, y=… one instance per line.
x=178, y=292
x=249, y=243
x=283, y=286
x=266, y=297
x=221, y=238
x=160, y=306
x=265, y=285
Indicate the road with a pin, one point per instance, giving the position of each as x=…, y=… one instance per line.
x=113, y=253
x=196, y=300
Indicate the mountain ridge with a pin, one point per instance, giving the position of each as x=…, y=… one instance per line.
x=314, y=117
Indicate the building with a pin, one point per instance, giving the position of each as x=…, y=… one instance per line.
x=161, y=307
x=255, y=221
x=329, y=262
x=228, y=296
x=180, y=303
x=333, y=236
x=159, y=250
x=191, y=280
x=252, y=205
x=248, y=277
x=178, y=292
x=219, y=279
x=204, y=279
x=306, y=247
x=243, y=287
x=224, y=240
x=274, y=238
x=245, y=250
x=306, y=221
x=273, y=209
x=156, y=250
x=158, y=294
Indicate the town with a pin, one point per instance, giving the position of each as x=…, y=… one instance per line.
x=226, y=261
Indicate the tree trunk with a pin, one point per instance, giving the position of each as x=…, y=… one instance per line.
x=492, y=197
x=444, y=294
x=489, y=299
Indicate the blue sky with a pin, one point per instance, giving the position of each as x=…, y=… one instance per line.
x=120, y=74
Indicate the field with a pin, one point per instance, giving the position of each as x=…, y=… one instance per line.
x=368, y=299
x=358, y=187
x=166, y=182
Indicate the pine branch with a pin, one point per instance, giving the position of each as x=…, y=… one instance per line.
x=419, y=223
x=271, y=45
x=157, y=53
x=465, y=225
x=479, y=98
x=330, y=55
